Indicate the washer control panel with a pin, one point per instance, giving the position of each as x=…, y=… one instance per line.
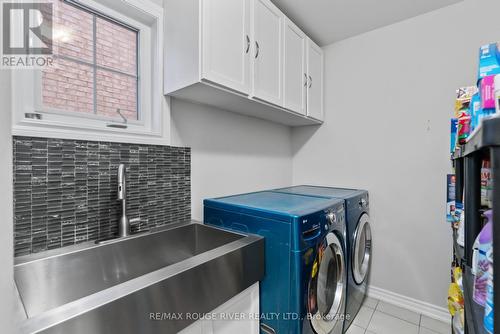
x=322, y=221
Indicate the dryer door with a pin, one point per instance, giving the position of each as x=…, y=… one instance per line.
x=326, y=287
x=362, y=249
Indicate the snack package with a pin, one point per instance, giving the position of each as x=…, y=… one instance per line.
x=474, y=108
x=486, y=184
x=463, y=128
x=487, y=91
x=489, y=60
x=462, y=112
x=453, y=135
x=450, y=197
x=458, y=322
x=477, y=112
x=497, y=94
x=455, y=299
x=463, y=99
x=457, y=276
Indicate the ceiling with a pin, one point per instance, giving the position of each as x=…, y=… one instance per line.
x=329, y=21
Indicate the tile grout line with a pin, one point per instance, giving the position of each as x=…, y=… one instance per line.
x=394, y=316
x=371, y=317
x=376, y=309
x=431, y=330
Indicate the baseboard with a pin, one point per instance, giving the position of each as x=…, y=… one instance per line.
x=415, y=305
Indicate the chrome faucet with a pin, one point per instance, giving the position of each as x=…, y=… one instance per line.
x=123, y=223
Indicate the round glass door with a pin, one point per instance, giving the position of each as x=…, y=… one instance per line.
x=362, y=249
x=326, y=288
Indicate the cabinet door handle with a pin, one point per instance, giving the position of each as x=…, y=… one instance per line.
x=305, y=81
x=248, y=44
x=257, y=49
x=310, y=81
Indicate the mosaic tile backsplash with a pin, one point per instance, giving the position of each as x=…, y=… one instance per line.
x=65, y=191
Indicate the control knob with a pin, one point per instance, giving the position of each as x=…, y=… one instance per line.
x=331, y=217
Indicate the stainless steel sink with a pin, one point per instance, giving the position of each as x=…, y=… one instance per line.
x=184, y=268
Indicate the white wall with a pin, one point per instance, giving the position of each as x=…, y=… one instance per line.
x=231, y=153
x=6, y=219
x=389, y=97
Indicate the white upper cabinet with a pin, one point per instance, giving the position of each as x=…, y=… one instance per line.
x=267, y=34
x=315, y=81
x=226, y=43
x=243, y=56
x=294, y=68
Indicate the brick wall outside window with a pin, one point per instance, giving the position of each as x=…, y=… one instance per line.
x=116, y=46
x=69, y=85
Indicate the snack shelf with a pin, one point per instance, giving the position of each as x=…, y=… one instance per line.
x=486, y=135
x=484, y=142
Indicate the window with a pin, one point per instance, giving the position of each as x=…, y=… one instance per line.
x=95, y=65
x=106, y=76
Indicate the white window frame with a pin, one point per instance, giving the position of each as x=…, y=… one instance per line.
x=147, y=18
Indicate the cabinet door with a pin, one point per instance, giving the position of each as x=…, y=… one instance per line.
x=226, y=43
x=246, y=304
x=315, y=81
x=267, y=28
x=294, y=68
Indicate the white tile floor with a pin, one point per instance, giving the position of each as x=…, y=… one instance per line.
x=377, y=317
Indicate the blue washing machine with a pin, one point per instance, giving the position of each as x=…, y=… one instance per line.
x=359, y=240
x=304, y=287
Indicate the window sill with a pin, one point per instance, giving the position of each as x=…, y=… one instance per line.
x=51, y=130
